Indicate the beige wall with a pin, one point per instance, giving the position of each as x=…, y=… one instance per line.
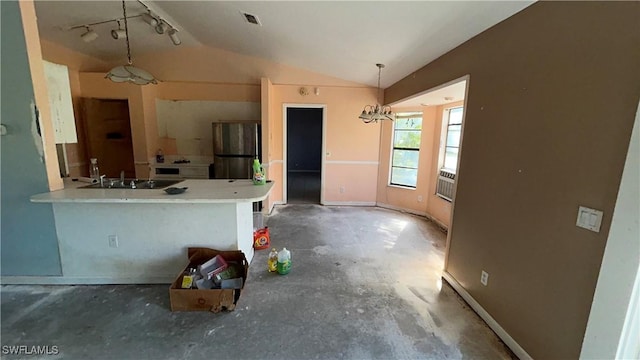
x=438, y=208
x=41, y=97
x=210, y=65
x=352, y=147
x=74, y=60
x=217, y=75
x=421, y=200
x=550, y=107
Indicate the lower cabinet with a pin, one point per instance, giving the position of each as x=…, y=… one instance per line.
x=180, y=171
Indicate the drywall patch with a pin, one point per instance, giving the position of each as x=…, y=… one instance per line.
x=36, y=130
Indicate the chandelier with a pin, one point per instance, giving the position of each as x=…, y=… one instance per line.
x=373, y=113
x=129, y=73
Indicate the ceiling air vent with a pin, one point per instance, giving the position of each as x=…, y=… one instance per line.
x=252, y=19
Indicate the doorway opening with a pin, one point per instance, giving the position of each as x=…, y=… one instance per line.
x=303, y=148
x=107, y=129
x=444, y=110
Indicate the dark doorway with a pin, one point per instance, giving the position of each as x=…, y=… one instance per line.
x=304, y=155
x=108, y=135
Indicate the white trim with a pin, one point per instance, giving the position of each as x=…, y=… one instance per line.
x=467, y=79
x=402, y=187
x=392, y=138
x=414, y=212
x=349, y=203
x=629, y=347
x=284, y=146
x=613, y=314
x=351, y=162
x=273, y=205
x=64, y=280
x=493, y=324
x=401, y=209
x=455, y=81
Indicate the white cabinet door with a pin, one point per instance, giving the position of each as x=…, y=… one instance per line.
x=59, y=90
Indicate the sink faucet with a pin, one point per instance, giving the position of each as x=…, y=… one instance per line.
x=122, y=178
x=102, y=180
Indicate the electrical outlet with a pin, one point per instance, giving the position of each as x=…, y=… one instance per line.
x=419, y=198
x=341, y=189
x=113, y=241
x=484, y=278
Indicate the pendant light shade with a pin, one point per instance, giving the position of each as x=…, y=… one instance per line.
x=129, y=73
x=132, y=74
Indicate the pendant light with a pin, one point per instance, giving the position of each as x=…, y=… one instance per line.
x=373, y=113
x=129, y=73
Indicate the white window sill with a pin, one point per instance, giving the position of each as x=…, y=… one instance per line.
x=401, y=187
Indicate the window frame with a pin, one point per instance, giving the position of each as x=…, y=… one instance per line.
x=446, y=127
x=406, y=115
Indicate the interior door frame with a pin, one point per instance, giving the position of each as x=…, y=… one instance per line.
x=284, y=146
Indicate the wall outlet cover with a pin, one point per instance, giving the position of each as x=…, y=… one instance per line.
x=484, y=278
x=113, y=241
x=589, y=219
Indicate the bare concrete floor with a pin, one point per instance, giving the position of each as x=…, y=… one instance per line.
x=365, y=284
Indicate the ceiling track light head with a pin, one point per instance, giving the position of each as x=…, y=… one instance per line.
x=150, y=19
x=119, y=33
x=89, y=35
x=162, y=27
x=173, y=35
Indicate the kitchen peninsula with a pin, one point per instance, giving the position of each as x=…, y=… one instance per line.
x=132, y=236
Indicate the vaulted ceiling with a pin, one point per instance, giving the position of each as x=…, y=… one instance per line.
x=343, y=39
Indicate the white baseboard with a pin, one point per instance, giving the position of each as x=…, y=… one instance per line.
x=401, y=209
x=63, y=280
x=493, y=324
x=349, y=203
x=414, y=212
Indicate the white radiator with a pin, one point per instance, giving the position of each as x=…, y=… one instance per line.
x=444, y=189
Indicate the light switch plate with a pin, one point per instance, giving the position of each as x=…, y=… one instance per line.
x=589, y=219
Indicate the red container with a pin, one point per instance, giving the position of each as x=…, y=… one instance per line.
x=261, y=239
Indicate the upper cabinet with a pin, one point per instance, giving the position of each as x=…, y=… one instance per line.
x=59, y=90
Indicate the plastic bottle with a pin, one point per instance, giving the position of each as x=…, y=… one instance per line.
x=94, y=172
x=272, y=263
x=159, y=156
x=258, y=173
x=284, y=261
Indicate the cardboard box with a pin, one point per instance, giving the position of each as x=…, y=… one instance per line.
x=214, y=300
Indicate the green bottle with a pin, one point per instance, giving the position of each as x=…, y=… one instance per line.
x=258, y=173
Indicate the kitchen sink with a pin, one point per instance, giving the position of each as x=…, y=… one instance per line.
x=115, y=183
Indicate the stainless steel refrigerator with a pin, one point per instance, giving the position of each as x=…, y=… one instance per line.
x=235, y=145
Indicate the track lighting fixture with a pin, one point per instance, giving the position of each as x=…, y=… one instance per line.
x=149, y=19
x=129, y=73
x=173, y=34
x=162, y=27
x=118, y=33
x=89, y=36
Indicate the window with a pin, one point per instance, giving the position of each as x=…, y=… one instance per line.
x=406, y=149
x=452, y=142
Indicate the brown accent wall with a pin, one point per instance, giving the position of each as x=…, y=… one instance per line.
x=551, y=103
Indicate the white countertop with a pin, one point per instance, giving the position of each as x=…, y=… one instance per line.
x=199, y=191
